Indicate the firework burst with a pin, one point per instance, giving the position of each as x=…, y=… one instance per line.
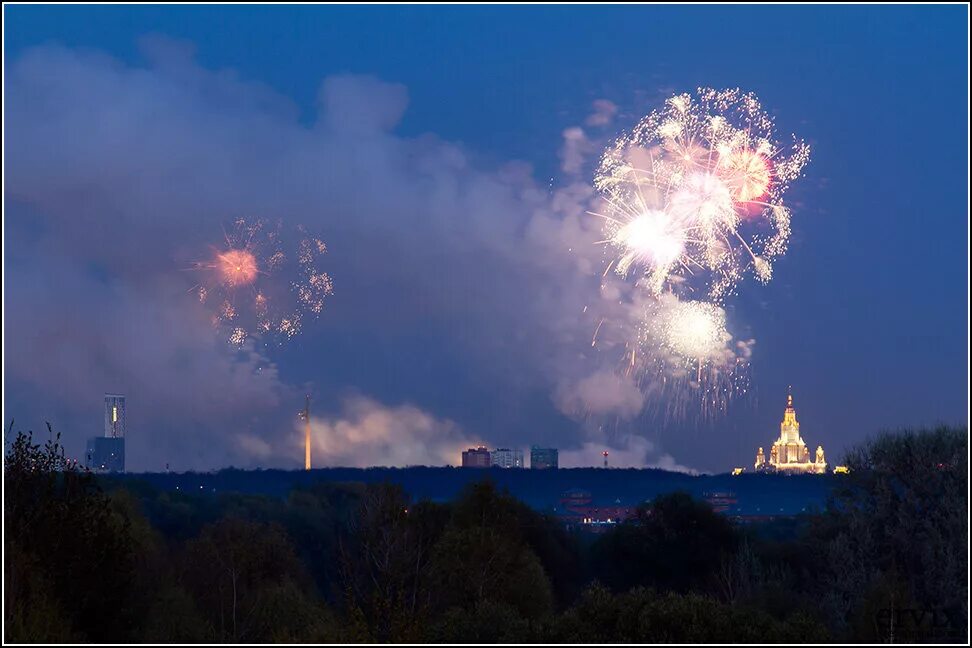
x=258, y=286
x=683, y=353
x=696, y=190
x=692, y=203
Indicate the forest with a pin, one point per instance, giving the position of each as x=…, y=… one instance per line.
x=94, y=560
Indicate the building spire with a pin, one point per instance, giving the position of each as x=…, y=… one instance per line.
x=789, y=453
x=307, y=435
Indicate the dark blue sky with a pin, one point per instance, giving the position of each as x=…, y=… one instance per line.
x=867, y=314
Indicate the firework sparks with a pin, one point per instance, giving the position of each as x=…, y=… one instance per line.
x=652, y=238
x=748, y=173
x=236, y=267
x=237, y=336
x=692, y=202
x=257, y=288
x=679, y=188
x=686, y=349
x=695, y=330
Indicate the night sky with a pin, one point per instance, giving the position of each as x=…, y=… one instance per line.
x=426, y=145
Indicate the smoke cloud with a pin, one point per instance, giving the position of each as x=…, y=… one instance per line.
x=627, y=452
x=368, y=433
x=464, y=288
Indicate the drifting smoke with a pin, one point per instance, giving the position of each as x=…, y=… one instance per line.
x=369, y=433
x=603, y=392
x=627, y=452
x=110, y=197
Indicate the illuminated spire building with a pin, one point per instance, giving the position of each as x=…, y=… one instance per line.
x=106, y=453
x=789, y=454
x=115, y=416
x=305, y=415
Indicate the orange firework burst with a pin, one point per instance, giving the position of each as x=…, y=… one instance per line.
x=237, y=267
x=259, y=286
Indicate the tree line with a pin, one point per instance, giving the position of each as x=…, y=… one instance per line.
x=89, y=560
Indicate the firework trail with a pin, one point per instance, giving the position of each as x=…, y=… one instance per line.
x=692, y=203
x=259, y=285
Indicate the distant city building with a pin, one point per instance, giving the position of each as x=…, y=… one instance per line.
x=476, y=458
x=107, y=452
x=543, y=457
x=789, y=454
x=506, y=458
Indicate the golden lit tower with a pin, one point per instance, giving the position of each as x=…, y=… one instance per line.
x=115, y=420
x=789, y=453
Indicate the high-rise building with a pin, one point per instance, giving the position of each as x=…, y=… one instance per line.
x=789, y=453
x=115, y=416
x=507, y=458
x=476, y=458
x=543, y=457
x=107, y=452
